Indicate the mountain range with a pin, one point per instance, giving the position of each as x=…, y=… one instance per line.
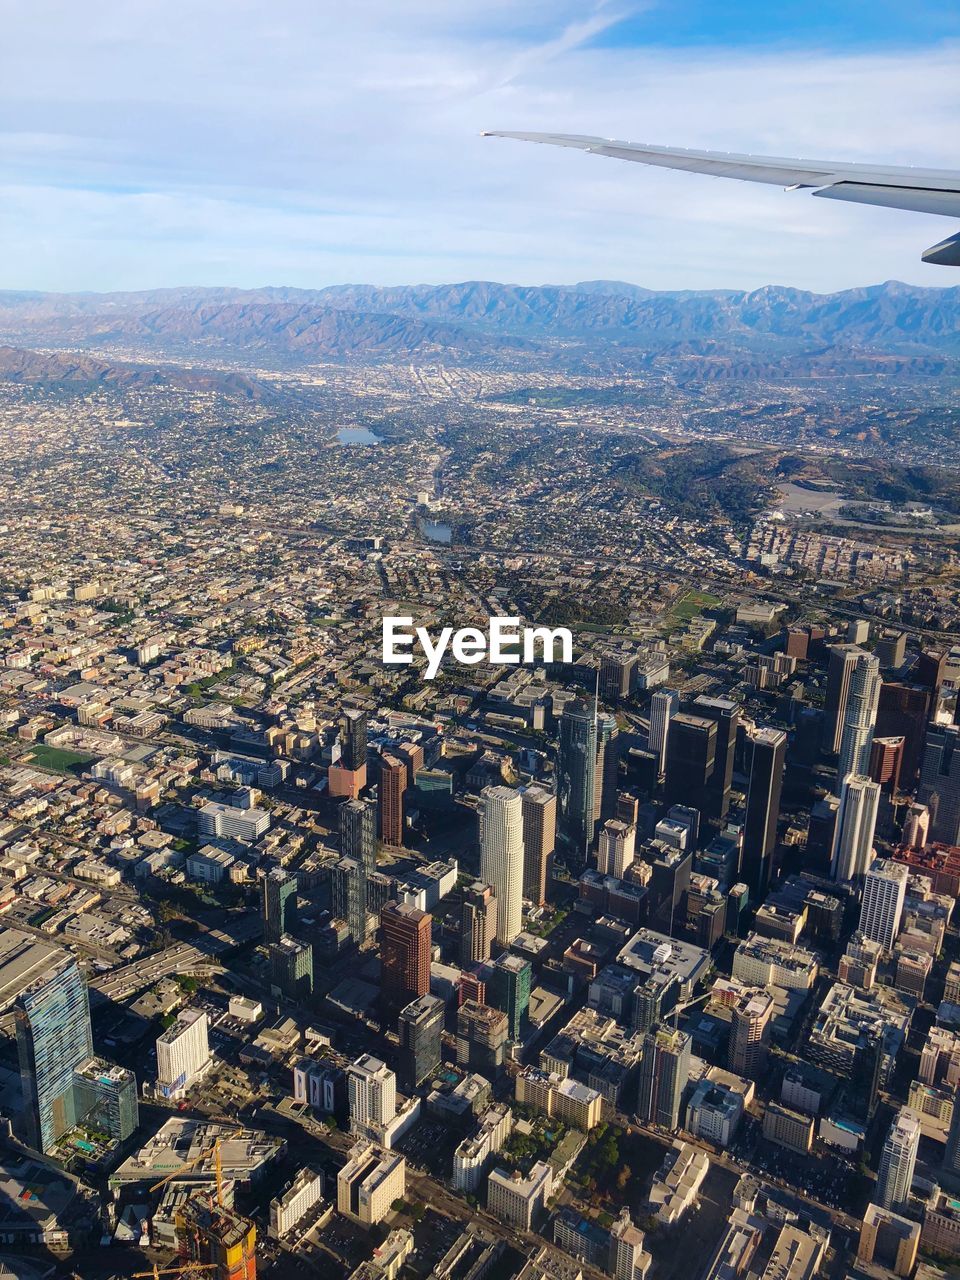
x=609, y=322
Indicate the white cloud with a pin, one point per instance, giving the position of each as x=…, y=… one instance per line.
x=228, y=141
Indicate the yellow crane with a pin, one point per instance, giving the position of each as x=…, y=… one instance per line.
x=182, y=1271
x=192, y=1164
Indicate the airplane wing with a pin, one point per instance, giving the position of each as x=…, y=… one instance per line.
x=924, y=190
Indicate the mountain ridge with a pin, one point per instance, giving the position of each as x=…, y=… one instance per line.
x=484, y=320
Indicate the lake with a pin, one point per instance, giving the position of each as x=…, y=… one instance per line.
x=436, y=530
x=356, y=435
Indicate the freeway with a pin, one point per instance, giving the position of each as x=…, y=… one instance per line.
x=120, y=984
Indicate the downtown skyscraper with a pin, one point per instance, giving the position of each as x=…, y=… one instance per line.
x=664, y=1071
x=767, y=757
x=278, y=903
x=54, y=1036
x=898, y=1161
x=664, y=705
x=855, y=827
x=860, y=717
x=539, y=841
x=358, y=846
x=501, y=856
x=842, y=660
x=577, y=761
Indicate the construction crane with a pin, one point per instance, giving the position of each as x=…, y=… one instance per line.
x=181, y=1271
x=192, y=1164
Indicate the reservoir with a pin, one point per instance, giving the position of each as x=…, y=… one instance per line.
x=356, y=435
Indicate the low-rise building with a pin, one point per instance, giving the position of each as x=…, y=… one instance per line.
x=889, y=1240
x=286, y=1210
x=519, y=1201
x=677, y=1182
x=764, y=962
x=474, y=1153
x=369, y=1182
x=576, y=1104
x=788, y=1128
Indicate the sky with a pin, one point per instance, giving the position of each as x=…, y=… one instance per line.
x=150, y=143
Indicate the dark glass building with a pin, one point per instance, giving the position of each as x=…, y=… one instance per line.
x=577, y=780
x=768, y=753
x=421, y=1032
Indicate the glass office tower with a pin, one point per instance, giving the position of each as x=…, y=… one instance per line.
x=53, y=1038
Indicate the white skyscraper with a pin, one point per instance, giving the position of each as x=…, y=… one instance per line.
x=664, y=705
x=898, y=1161
x=501, y=856
x=856, y=824
x=884, y=887
x=373, y=1093
x=183, y=1053
x=860, y=716
x=615, y=849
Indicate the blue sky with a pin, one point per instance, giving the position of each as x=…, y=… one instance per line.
x=150, y=143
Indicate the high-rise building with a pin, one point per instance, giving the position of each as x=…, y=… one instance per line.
x=855, y=828
x=726, y=714
x=668, y=883
x=391, y=784
x=615, y=848
x=884, y=889
x=898, y=1161
x=348, y=775
x=482, y=1035
x=664, y=705
x=217, y=1237
x=627, y=1259
x=183, y=1053
x=939, y=786
x=278, y=904
x=358, y=844
x=617, y=675
x=891, y=649
x=353, y=739
x=916, y=826
x=421, y=1035
x=577, y=758
x=358, y=832
x=903, y=710
x=664, y=1072
x=821, y=833
x=53, y=1037
x=348, y=897
x=691, y=761
x=478, y=923
x=404, y=954
x=607, y=775
x=750, y=1032
x=951, y=1155
x=842, y=660
x=767, y=756
x=291, y=967
x=886, y=763
x=106, y=1098
x=539, y=841
x=501, y=856
x=860, y=716
x=930, y=668
x=508, y=989
x=372, y=1090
